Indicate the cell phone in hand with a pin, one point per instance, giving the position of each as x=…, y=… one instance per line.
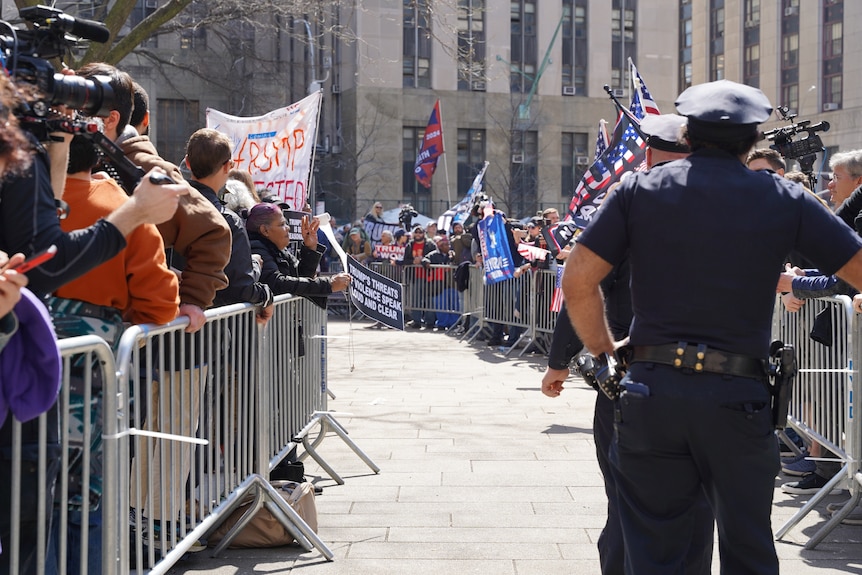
x=161, y=179
x=36, y=260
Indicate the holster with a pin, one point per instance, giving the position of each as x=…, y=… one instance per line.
x=783, y=369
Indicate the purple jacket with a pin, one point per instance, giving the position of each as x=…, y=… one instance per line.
x=30, y=364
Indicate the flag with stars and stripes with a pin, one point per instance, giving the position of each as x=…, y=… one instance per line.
x=642, y=101
x=626, y=152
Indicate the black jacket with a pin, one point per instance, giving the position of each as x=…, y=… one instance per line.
x=285, y=273
x=29, y=224
x=241, y=271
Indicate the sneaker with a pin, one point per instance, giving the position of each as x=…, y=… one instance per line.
x=800, y=468
x=809, y=484
x=793, y=459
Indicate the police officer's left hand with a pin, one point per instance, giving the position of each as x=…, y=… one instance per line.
x=552, y=382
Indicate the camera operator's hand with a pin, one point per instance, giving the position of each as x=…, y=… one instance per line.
x=150, y=204
x=552, y=382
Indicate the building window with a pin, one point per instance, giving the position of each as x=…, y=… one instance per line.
x=524, y=185
x=175, y=120
x=790, y=51
x=833, y=39
x=523, y=45
x=142, y=10
x=623, y=41
x=412, y=191
x=832, y=90
x=471, y=45
x=574, y=161
x=471, y=156
x=790, y=96
x=751, y=13
x=751, y=65
x=575, y=51
x=685, y=42
x=417, y=44
x=716, y=40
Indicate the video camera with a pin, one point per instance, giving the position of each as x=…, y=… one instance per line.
x=804, y=149
x=26, y=53
x=406, y=215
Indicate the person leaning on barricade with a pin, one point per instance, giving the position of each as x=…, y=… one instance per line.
x=700, y=347
x=197, y=237
x=282, y=271
x=136, y=287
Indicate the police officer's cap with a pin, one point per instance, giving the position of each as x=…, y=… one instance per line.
x=723, y=111
x=663, y=132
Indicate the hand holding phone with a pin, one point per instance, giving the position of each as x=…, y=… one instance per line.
x=36, y=260
x=160, y=179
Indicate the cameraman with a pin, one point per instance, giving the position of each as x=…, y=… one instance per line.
x=406, y=215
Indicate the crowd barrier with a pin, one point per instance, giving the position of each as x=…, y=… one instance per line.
x=823, y=406
x=154, y=445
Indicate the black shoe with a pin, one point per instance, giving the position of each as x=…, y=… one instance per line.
x=494, y=341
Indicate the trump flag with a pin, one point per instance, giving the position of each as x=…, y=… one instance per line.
x=432, y=148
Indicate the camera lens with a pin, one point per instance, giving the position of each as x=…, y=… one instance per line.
x=91, y=96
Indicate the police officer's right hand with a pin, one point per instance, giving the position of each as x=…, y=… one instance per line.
x=552, y=382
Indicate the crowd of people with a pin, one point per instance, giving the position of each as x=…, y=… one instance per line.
x=127, y=250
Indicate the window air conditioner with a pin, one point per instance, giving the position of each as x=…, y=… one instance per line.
x=582, y=160
x=569, y=90
x=791, y=10
x=517, y=158
x=619, y=92
x=336, y=89
x=830, y=106
x=478, y=86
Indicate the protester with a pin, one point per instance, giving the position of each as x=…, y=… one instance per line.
x=282, y=271
x=666, y=447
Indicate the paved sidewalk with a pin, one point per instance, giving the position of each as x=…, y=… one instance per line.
x=480, y=472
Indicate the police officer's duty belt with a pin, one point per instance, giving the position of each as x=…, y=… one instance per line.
x=699, y=358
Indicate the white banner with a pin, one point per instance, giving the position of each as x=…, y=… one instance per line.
x=276, y=148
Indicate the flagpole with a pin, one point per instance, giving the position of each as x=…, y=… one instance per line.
x=635, y=122
x=311, y=197
x=445, y=157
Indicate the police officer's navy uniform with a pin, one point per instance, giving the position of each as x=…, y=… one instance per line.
x=705, y=237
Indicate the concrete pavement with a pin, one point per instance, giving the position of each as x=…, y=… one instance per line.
x=480, y=472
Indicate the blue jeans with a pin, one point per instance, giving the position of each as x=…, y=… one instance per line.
x=73, y=545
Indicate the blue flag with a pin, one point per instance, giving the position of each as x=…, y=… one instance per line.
x=496, y=256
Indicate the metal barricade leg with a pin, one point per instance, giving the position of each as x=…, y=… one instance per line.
x=327, y=422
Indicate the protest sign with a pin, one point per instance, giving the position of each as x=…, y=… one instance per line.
x=375, y=295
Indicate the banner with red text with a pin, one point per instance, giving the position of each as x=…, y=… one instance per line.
x=276, y=148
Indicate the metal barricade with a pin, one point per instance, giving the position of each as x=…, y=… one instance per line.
x=389, y=270
x=511, y=303
x=58, y=508
x=823, y=404
x=431, y=291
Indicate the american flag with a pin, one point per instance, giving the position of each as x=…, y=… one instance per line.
x=601, y=139
x=641, y=96
x=625, y=153
x=557, y=300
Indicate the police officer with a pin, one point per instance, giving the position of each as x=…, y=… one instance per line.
x=663, y=145
x=699, y=344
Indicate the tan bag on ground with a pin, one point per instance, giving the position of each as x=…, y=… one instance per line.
x=264, y=530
